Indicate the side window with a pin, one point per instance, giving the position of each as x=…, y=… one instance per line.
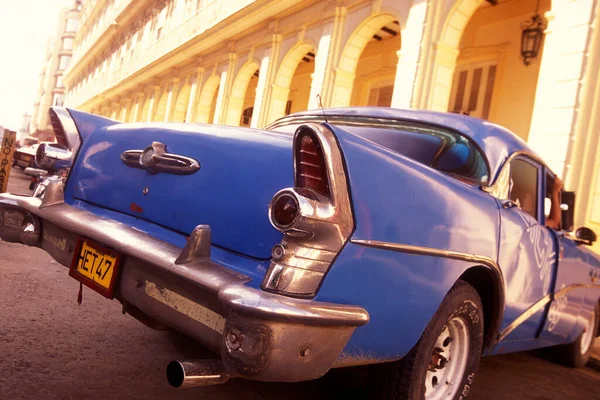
x=524, y=186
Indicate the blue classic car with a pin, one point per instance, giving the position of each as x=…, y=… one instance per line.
x=414, y=241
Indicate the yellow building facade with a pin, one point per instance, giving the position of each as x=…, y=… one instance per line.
x=249, y=62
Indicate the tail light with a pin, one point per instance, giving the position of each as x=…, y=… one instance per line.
x=285, y=211
x=314, y=216
x=311, y=171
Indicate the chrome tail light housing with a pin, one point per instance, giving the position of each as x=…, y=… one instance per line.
x=59, y=154
x=315, y=216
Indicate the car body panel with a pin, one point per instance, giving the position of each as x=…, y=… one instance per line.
x=230, y=161
x=400, y=291
x=408, y=194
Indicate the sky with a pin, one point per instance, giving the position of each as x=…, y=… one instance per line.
x=25, y=26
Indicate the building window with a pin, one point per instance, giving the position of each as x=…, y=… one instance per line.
x=59, y=100
x=72, y=25
x=381, y=96
x=64, y=62
x=472, y=89
x=161, y=22
x=288, y=107
x=59, y=81
x=67, y=44
x=247, y=116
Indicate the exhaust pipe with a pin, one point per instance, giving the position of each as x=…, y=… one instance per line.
x=183, y=374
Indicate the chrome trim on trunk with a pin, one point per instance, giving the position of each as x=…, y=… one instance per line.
x=155, y=159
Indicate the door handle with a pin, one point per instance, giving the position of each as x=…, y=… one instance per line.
x=506, y=204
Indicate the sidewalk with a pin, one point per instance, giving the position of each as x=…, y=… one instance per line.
x=595, y=358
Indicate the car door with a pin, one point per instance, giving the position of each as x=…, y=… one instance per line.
x=571, y=304
x=527, y=256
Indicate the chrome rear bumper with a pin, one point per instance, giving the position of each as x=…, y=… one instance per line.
x=259, y=335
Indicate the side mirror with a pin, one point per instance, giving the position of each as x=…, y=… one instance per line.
x=585, y=235
x=568, y=211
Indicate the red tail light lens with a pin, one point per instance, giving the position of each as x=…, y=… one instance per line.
x=285, y=210
x=310, y=169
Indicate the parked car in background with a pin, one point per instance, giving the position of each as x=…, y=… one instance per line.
x=411, y=241
x=24, y=156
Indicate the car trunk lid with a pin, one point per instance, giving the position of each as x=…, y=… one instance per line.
x=240, y=171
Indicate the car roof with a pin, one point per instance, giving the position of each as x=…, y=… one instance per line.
x=497, y=142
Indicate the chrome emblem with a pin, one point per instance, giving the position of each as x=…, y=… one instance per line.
x=155, y=159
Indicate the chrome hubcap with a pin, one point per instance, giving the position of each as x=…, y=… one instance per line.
x=448, y=361
x=588, y=335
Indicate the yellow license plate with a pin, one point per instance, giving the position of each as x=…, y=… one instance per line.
x=95, y=267
x=26, y=158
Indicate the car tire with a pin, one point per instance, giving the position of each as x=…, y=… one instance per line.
x=577, y=354
x=430, y=364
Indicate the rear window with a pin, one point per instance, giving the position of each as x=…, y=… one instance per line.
x=443, y=150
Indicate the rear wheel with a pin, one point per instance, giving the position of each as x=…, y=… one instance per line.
x=577, y=354
x=443, y=363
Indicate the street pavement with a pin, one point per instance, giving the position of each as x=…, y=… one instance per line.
x=52, y=348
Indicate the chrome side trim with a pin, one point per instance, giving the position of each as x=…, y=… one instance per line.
x=312, y=241
x=407, y=248
x=499, y=299
x=537, y=306
x=574, y=286
x=540, y=304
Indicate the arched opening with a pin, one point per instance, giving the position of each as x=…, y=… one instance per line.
x=367, y=68
x=291, y=90
x=160, y=107
x=248, y=108
x=489, y=79
x=181, y=104
x=239, y=91
x=207, y=103
x=300, y=86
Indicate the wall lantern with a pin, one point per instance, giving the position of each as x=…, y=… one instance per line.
x=531, y=37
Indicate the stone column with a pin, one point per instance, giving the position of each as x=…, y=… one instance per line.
x=326, y=60
x=556, y=108
x=136, y=107
x=226, y=81
x=153, y=101
x=408, y=55
x=260, y=115
x=125, y=110
x=174, y=87
x=194, y=94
